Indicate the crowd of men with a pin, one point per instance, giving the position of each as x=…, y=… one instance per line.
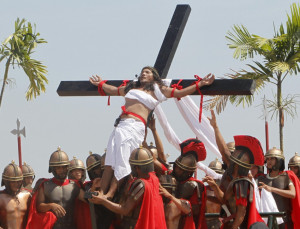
x=156, y=194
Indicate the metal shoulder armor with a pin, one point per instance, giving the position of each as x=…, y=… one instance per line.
x=243, y=188
x=137, y=189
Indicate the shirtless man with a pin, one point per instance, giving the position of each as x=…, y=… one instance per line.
x=141, y=97
x=13, y=202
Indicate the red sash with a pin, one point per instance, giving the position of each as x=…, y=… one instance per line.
x=152, y=214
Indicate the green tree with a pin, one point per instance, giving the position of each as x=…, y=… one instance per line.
x=280, y=58
x=17, y=50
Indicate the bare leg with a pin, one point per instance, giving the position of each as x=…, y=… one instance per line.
x=106, y=179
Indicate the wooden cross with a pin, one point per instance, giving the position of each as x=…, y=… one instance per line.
x=163, y=63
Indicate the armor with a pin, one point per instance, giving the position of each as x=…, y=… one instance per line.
x=239, y=188
x=58, y=158
x=216, y=165
x=282, y=181
x=77, y=164
x=64, y=196
x=278, y=154
x=136, y=190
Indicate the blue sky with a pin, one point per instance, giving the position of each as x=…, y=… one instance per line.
x=115, y=39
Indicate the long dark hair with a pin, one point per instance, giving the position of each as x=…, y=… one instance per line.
x=147, y=86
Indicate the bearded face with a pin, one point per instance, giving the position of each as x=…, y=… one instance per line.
x=60, y=172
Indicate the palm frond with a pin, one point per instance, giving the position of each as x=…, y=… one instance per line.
x=240, y=40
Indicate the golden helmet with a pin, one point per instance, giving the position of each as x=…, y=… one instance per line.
x=274, y=152
x=76, y=164
x=140, y=156
x=294, y=161
x=27, y=170
x=231, y=146
x=12, y=172
x=216, y=165
x=58, y=158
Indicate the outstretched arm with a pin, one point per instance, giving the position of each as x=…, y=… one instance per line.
x=125, y=209
x=207, y=80
x=290, y=193
x=108, y=89
x=219, y=139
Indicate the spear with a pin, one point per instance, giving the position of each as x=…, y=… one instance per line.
x=18, y=132
x=266, y=124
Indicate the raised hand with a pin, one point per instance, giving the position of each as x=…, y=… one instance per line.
x=213, y=120
x=95, y=80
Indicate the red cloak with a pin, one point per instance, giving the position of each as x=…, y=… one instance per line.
x=82, y=214
x=152, y=214
x=253, y=216
x=36, y=219
x=189, y=221
x=296, y=201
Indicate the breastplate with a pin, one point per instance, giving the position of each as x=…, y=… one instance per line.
x=282, y=182
x=186, y=190
x=64, y=196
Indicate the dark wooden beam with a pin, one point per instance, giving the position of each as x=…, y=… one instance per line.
x=171, y=40
x=219, y=87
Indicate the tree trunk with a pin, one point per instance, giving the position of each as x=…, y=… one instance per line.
x=281, y=118
x=4, y=79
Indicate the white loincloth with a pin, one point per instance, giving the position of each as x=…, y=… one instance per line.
x=126, y=137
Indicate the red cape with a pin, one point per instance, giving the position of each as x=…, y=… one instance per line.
x=38, y=220
x=296, y=201
x=152, y=214
x=82, y=214
x=253, y=216
x=189, y=221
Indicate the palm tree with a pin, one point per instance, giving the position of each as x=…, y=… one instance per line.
x=17, y=50
x=281, y=57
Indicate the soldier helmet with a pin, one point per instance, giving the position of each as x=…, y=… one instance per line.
x=76, y=164
x=248, y=151
x=231, y=146
x=195, y=147
x=12, y=172
x=168, y=182
x=27, y=170
x=142, y=158
x=58, y=158
x=153, y=150
x=294, y=161
x=278, y=154
x=217, y=166
x=92, y=161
